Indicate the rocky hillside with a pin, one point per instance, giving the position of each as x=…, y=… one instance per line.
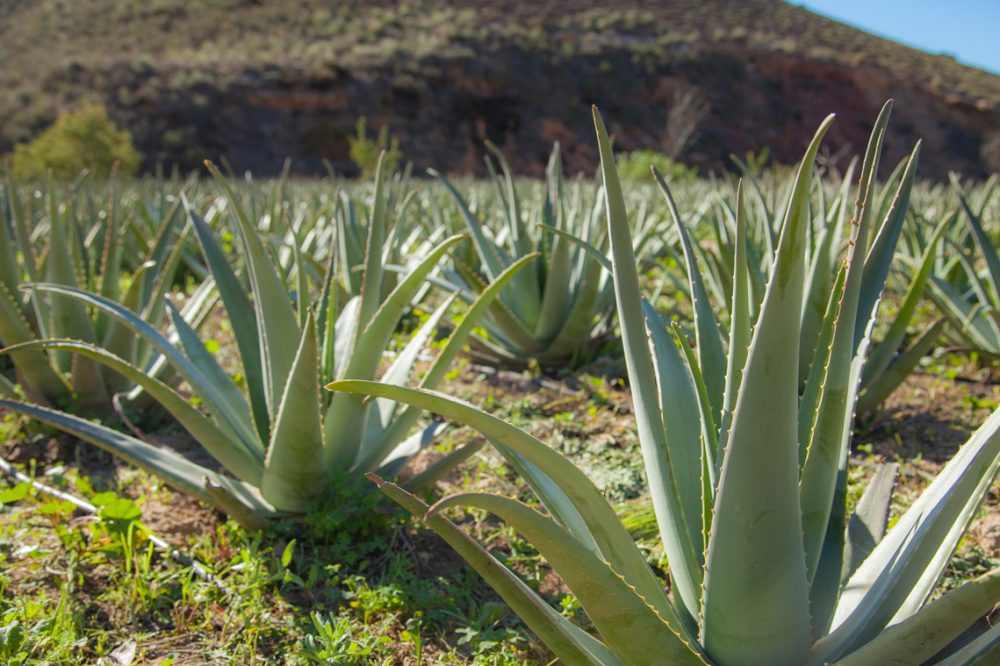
x=258, y=81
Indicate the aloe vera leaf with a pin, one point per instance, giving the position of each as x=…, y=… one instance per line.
x=293, y=473
x=757, y=527
x=684, y=556
x=566, y=640
x=632, y=628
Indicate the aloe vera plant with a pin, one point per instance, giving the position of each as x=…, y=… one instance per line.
x=559, y=302
x=966, y=281
x=76, y=255
x=280, y=444
x=749, y=490
x=710, y=269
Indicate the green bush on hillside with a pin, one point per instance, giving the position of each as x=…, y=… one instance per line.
x=84, y=138
x=634, y=166
x=365, y=151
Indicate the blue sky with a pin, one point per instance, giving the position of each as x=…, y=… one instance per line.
x=966, y=29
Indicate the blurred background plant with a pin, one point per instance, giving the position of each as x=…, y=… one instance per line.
x=82, y=139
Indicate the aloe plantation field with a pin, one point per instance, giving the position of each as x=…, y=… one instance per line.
x=612, y=420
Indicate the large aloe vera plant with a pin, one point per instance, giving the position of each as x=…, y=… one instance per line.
x=60, y=245
x=280, y=443
x=765, y=566
x=559, y=302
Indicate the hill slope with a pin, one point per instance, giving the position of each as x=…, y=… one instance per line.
x=259, y=81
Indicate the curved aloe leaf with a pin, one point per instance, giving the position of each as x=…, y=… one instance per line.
x=895, y=580
x=917, y=639
x=40, y=379
x=709, y=341
x=662, y=479
x=242, y=317
x=607, y=532
x=632, y=628
x=164, y=463
x=222, y=445
x=409, y=415
x=566, y=640
x=217, y=400
x=276, y=320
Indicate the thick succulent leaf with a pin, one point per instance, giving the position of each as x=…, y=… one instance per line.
x=10, y=270
x=527, y=302
x=506, y=322
x=709, y=341
x=40, y=380
x=380, y=417
x=371, y=283
x=69, y=318
x=983, y=242
x=679, y=400
x=868, y=522
x=118, y=338
x=969, y=321
x=828, y=441
x=276, y=320
x=708, y=431
x=606, y=531
x=883, y=248
x=896, y=579
x=344, y=422
x=740, y=326
x=222, y=387
x=882, y=355
x=570, y=643
x=242, y=503
x=215, y=397
x=221, y=444
x=917, y=639
x=633, y=630
x=556, y=297
x=345, y=330
x=293, y=471
x=983, y=651
x=377, y=331
x=164, y=463
x=242, y=317
x=486, y=249
x=682, y=554
x=579, y=324
x=756, y=594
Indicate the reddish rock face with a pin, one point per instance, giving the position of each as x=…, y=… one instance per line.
x=525, y=103
x=260, y=81
x=441, y=112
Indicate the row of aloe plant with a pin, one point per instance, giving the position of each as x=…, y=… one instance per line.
x=748, y=483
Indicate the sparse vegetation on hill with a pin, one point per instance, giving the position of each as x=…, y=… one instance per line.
x=261, y=81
